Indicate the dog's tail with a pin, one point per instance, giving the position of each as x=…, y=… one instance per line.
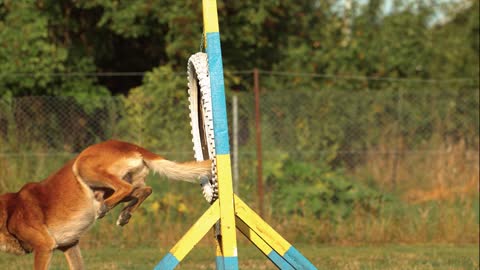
x=185, y=171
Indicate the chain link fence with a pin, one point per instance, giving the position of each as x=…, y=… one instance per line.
x=388, y=130
x=409, y=136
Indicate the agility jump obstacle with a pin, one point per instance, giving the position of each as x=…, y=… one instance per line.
x=210, y=136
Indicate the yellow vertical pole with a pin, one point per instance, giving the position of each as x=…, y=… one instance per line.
x=229, y=206
x=227, y=240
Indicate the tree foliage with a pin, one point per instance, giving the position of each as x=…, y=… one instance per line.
x=31, y=58
x=46, y=37
x=50, y=47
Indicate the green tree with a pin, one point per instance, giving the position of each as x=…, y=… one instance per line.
x=455, y=42
x=40, y=38
x=31, y=60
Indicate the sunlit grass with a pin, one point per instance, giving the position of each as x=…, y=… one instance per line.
x=381, y=257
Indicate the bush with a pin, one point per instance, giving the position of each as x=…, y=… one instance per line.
x=304, y=189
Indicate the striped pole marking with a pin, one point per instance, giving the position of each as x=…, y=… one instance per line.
x=228, y=252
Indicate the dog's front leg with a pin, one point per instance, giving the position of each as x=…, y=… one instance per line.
x=42, y=259
x=138, y=196
x=28, y=228
x=74, y=257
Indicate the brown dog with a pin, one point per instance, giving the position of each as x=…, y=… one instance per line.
x=56, y=212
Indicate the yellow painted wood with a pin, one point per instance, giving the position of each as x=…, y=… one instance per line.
x=196, y=232
x=260, y=227
x=210, y=16
x=253, y=237
x=227, y=213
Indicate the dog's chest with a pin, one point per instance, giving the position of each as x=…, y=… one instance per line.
x=76, y=224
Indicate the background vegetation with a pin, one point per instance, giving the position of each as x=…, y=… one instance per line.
x=369, y=113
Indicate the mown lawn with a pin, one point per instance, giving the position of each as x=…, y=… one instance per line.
x=324, y=257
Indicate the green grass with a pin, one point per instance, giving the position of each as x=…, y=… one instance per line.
x=419, y=257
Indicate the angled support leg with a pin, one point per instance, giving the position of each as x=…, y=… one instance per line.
x=267, y=250
x=271, y=237
x=191, y=238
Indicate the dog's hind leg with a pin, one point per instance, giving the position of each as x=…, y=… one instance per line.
x=99, y=178
x=138, y=196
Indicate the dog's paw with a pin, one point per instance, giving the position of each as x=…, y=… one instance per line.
x=124, y=218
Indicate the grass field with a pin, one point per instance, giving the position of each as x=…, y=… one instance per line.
x=434, y=213
x=419, y=257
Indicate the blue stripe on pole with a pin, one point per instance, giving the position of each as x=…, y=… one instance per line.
x=217, y=86
x=168, y=262
x=226, y=263
x=297, y=260
x=279, y=261
x=230, y=263
x=219, y=263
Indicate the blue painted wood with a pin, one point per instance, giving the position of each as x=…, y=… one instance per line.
x=168, y=262
x=297, y=260
x=279, y=261
x=217, y=86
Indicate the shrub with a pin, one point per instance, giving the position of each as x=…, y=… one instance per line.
x=304, y=189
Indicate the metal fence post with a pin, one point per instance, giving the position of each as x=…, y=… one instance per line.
x=235, y=143
x=258, y=132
